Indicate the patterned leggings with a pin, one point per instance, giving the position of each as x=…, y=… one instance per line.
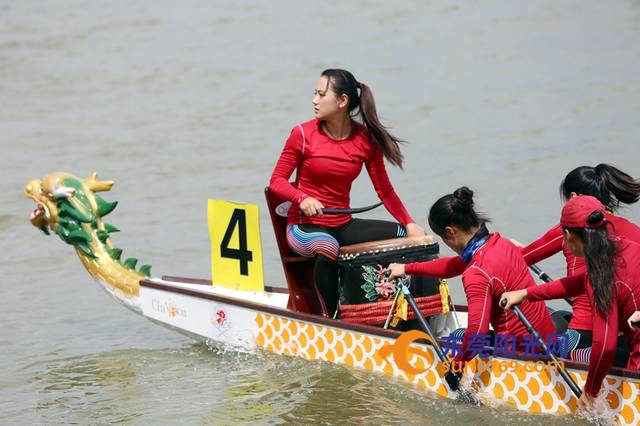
x=582, y=351
x=324, y=243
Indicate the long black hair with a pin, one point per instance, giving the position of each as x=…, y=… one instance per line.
x=344, y=83
x=455, y=209
x=605, y=182
x=599, y=254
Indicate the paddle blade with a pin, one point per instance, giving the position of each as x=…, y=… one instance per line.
x=453, y=380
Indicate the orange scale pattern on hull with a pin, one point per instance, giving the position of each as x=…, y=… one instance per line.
x=533, y=391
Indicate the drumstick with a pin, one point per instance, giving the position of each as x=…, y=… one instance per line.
x=350, y=211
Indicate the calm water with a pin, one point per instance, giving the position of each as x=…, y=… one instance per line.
x=179, y=102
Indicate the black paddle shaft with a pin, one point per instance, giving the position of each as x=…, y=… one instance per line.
x=423, y=322
x=546, y=278
x=540, y=273
x=567, y=378
x=452, y=379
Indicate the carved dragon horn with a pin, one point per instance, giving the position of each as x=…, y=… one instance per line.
x=98, y=185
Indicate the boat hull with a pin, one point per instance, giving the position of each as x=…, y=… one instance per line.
x=260, y=320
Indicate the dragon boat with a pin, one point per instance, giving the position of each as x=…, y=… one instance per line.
x=287, y=321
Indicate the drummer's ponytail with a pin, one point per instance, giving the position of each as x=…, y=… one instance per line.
x=455, y=209
x=344, y=83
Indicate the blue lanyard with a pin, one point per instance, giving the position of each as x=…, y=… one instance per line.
x=475, y=244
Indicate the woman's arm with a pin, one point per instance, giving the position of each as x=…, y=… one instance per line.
x=289, y=160
x=603, y=347
x=478, y=291
x=445, y=267
x=544, y=247
x=384, y=189
x=559, y=289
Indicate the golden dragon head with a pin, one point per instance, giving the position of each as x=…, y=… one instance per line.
x=70, y=207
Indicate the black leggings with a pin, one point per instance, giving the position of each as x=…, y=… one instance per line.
x=354, y=232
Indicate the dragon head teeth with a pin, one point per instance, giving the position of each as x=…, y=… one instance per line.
x=39, y=216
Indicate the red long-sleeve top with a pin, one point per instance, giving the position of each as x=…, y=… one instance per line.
x=326, y=168
x=552, y=242
x=625, y=301
x=495, y=268
x=546, y=246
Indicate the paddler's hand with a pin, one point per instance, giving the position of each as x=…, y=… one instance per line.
x=587, y=402
x=634, y=321
x=512, y=298
x=395, y=270
x=414, y=230
x=311, y=207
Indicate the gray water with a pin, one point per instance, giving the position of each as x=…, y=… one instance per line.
x=179, y=102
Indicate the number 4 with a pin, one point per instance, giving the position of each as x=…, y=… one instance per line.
x=238, y=218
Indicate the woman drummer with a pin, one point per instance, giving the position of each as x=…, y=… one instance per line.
x=493, y=265
x=611, y=282
x=328, y=153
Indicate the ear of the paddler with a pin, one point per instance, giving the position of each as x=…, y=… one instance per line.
x=449, y=237
x=236, y=251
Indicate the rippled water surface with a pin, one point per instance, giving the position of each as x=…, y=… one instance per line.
x=179, y=102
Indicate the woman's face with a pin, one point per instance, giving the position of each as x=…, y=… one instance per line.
x=326, y=104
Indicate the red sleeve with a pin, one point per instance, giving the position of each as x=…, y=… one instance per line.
x=445, y=267
x=544, y=247
x=289, y=160
x=603, y=347
x=562, y=288
x=477, y=289
x=384, y=189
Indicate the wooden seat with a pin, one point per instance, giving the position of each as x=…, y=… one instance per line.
x=298, y=270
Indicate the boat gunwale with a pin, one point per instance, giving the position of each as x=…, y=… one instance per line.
x=615, y=371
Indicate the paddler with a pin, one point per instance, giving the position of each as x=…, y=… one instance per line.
x=611, y=282
x=492, y=265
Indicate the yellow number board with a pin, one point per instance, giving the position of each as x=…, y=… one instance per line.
x=236, y=253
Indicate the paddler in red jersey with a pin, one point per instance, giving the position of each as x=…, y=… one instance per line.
x=493, y=265
x=611, y=187
x=612, y=284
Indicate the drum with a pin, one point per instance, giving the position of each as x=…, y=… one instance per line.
x=361, y=267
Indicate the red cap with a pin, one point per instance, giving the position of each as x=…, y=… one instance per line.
x=578, y=209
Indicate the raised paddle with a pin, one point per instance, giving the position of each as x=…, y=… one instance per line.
x=567, y=378
x=351, y=211
x=452, y=379
x=546, y=278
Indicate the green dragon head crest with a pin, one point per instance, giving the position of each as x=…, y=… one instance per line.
x=70, y=207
